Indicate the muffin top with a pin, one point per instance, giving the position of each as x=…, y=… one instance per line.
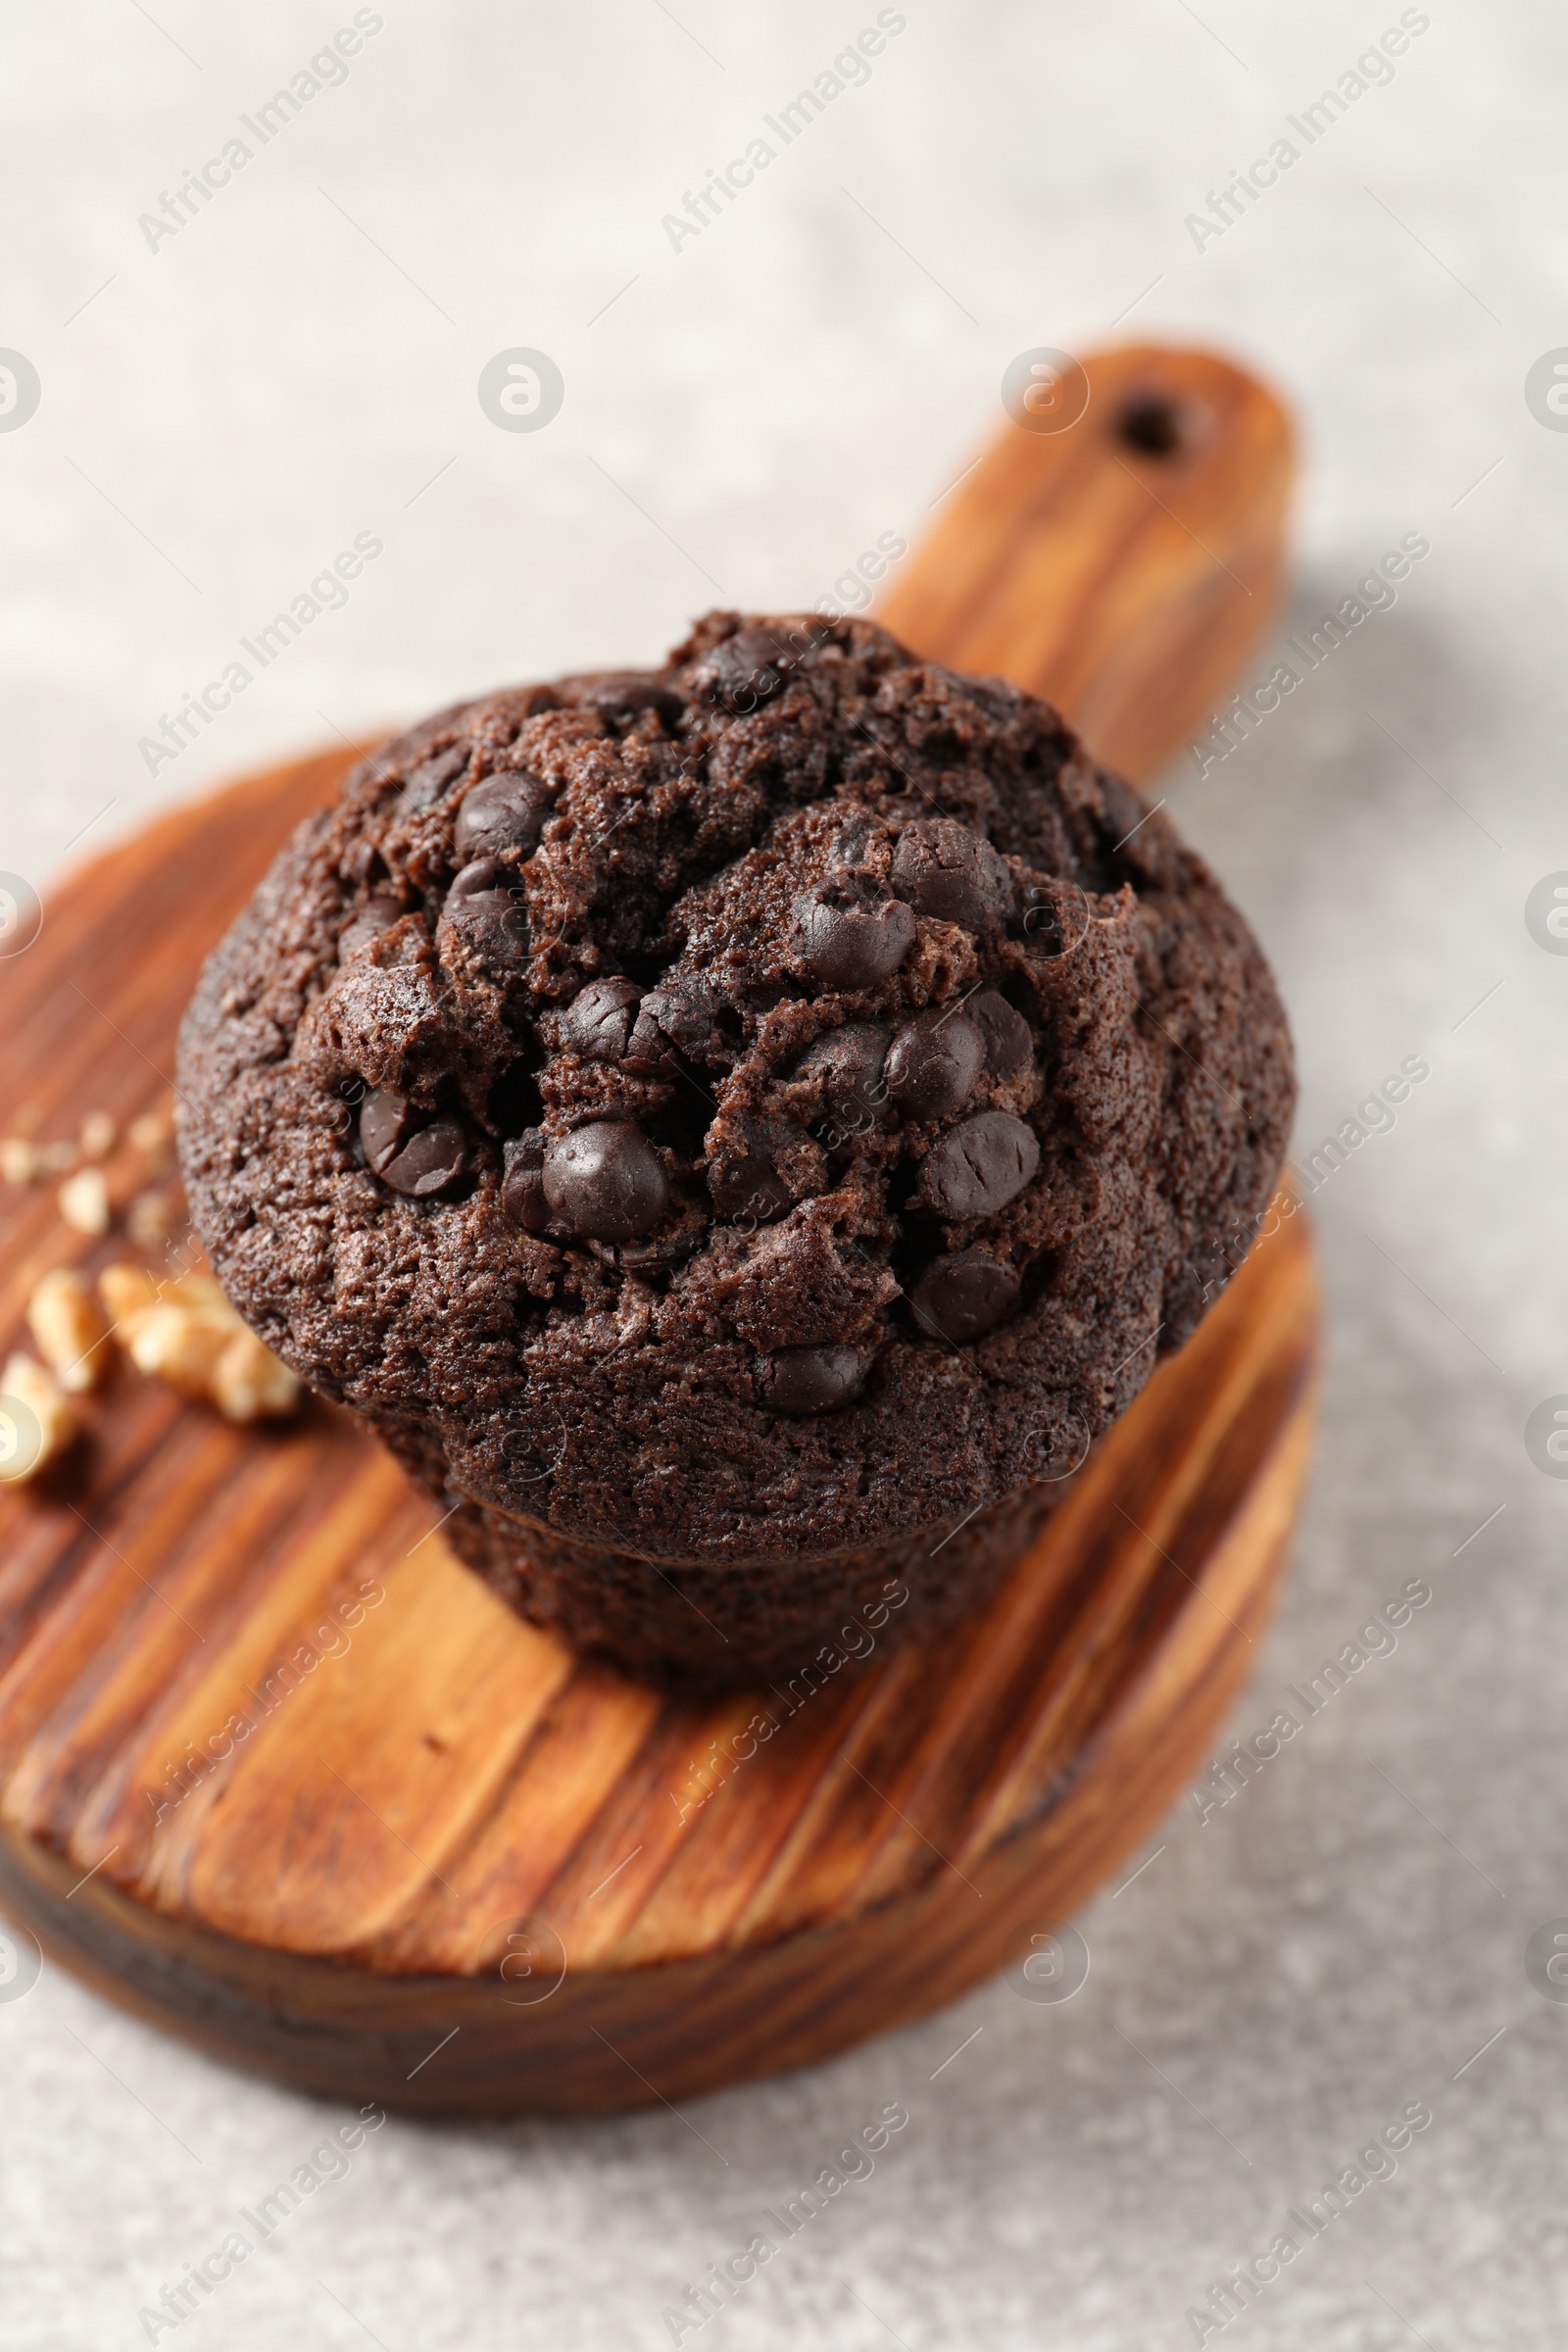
x=737, y=1111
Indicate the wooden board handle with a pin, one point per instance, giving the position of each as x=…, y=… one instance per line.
x=1122, y=566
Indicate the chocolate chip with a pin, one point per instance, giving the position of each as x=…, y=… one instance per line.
x=849, y=1061
x=413, y=1158
x=599, y=1021
x=847, y=935
x=387, y=1121
x=615, y=1021
x=482, y=888
x=505, y=812
x=372, y=920
x=486, y=906
x=626, y=692
x=947, y=870
x=605, y=1180
x=649, y=1051
x=979, y=1167
x=428, y=1162
x=427, y=782
x=933, y=1063
x=363, y=864
x=1053, y=919
x=813, y=1380
x=748, y=1189
x=1010, y=1041
x=522, y=1187
x=682, y=1014
x=665, y=1250
x=963, y=1297
x=746, y=670
x=745, y=1184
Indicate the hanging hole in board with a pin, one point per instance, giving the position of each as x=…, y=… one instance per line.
x=1154, y=424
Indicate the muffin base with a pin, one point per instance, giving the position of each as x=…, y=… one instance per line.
x=692, y=1622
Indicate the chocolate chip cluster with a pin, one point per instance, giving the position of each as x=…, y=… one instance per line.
x=635, y=1070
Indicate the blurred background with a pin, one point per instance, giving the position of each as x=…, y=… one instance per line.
x=205, y=397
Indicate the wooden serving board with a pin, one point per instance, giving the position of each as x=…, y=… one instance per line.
x=448, y=1866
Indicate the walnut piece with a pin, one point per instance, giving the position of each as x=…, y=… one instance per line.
x=68, y=1324
x=188, y=1335
x=98, y=1135
x=19, y=1160
x=250, y=1383
x=84, y=1201
x=36, y=1420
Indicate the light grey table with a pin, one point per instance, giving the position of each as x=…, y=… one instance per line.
x=747, y=408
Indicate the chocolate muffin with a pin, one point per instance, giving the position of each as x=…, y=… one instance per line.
x=737, y=1132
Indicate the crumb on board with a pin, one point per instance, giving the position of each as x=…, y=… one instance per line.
x=84, y=1201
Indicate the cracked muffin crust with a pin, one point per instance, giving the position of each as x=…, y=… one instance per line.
x=728, y=1127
